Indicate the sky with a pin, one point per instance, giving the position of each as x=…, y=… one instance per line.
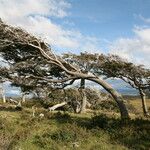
x=106, y=26
x=119, y=27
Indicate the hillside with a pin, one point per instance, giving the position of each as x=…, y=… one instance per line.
x=95, y=130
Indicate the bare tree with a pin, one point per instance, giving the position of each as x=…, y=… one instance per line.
x=32, y=58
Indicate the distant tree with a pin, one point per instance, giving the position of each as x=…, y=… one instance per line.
x=31, y=58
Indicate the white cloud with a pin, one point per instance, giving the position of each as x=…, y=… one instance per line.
x=146, y=20
x=143, y=35
x=135, y=49
x=52, y=33
x=35, y=16
x=16, y=9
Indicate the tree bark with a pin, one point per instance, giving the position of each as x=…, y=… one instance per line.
x=88, y=104
x=23, y=97
x=83, y=95
x=144, y=105
x=57, y=106
x=13, y=101
x=4, y=98
x=117, y=97
x=2, y=92
x=76, y=106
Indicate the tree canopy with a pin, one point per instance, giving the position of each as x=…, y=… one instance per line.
x=32, y=63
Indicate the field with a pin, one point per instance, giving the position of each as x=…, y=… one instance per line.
x=59, y=130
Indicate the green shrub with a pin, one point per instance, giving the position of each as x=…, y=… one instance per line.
x=30, y=103
x=65, y=135
x=109, y=105
x=109, y=124
x=61, y=117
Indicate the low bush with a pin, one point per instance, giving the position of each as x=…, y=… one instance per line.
x=70, y=133
x=104, y=122
x=65, y=135
x=109, y=105
x=60, y=117
x=134, y=134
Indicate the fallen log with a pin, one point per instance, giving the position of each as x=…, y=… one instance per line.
x=57, y=106
x=13, y=101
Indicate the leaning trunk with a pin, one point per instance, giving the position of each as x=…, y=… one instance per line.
x=144, y=105
x=117, y=97
x=83, y=95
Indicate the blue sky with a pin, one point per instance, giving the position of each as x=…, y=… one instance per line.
x=106, y=20
x=119, y=27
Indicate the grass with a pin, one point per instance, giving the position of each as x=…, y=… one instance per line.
x=67, y=131
x=60, y=131
x=138, y=105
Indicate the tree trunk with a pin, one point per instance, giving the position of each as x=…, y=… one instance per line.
x=83, y=95
x=76, y=106
x=4, y=98
x=57, y=106
x=117, y=97
x=19, y=106
x=23, y=97
x=88, y=104
x=2, y=92
x=144, y=105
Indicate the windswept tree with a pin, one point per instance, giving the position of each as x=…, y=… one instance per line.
x=135, y=75
x=31, y=58
x=84, y=62
x=113, y=66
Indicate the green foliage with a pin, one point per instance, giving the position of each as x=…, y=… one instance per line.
x=109, y=105
x=68, y=133
x=135, y=134
x=61, y=117
x=104, y=122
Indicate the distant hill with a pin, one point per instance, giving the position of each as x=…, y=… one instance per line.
x=119, y=85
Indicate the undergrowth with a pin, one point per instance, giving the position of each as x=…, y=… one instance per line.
x=66, y=131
